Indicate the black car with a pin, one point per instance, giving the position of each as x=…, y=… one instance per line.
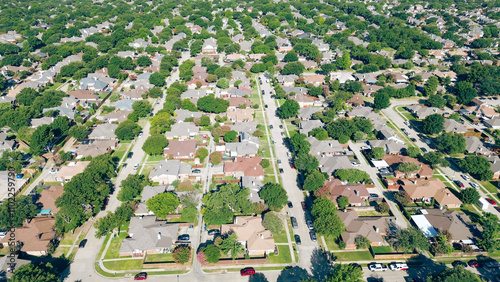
x=183, y=237
x=196, y=171
x=281, y=126
x=294, y=222
x=459, y=262
x=82, y=244
x=313, y=236
x=213, y=231
x=281, y=170
x=290, y=205
x=263, y=92
x=297, y=239
x=271, y=126
x=265, y=106
x=124, y=165
x=130, y=154
x=356, y=265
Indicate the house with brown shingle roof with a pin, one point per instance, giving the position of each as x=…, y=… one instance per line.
x=236, y=102
x=394, y=161
x=422, y=190
x=357, y=194
x=241, y=115
x=315, y=80
x=48, y=198
x=244, y=167
x=251, y=234
x=356, y=100
x=180, y=149
x=67, y=172
x=34, y=236
x=445, y=198
x=85, y=96
x=458, y=224
x=372, y=228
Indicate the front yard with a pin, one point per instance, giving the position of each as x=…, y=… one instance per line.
x=114, y=247
x=353, y=256
x=160, y=258
x=283, y=257
x=129, y=264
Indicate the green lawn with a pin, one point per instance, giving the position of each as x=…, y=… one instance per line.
x=280, y=237
x=160, y=258
x=120, y=152
x=269, y=179
x=405, y=113
x=69, y=238
x=155, y=158
x=129, y=264
x=382, y=249
x=490, y=187
x=114, y=247
x=330, y=243
x=353, y=256
x=283, y=257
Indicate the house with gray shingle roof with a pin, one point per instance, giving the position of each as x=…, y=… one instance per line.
x=104, y=132
x=308, y=125
x=183, y=130
x=167, y=171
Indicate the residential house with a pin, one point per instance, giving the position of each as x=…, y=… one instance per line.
x=387, y=133
x=124, y=105
x=331, y=164
x=357, y=194
x=147, y=193
x=445, y=198
x=96, y=148
x=355, y=101
x=47, y=199
x=134, y=94
x=390, y=146
x=183, y=130
x=369, y=78
x=421, y=190
x=421, y=112
x=325, y=147
x=287, y=80
x=372, y=228
x=254, y=185
x=398, y=76
x=241, y=115
x=394, y=161
x=233, y=57
x=474, y=146
x=306, y=126
x=182, y=115
x=246, y=127
x=115, y=116
x=244, y=167
x=209, y=46
x=6, y=145
x=251, y=234
x=167, y=171
x=93, y=83
x=454, y=126
x=180, y=149
x=370, y=89
x=34, y=236
x=147, y=235
x=495, y=166
x=483, y=110
x=104, y=132
x=315, y=80
x=458, y=224
x=238, y=102
x=67, y=172
x=493, y=123
x=303, y=100
x=247, y=147
x=306, y=113
x=342, y=77
x=236, y=93
x=84, y=96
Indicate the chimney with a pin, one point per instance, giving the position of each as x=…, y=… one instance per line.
x=159, y=235
x=377, y=229
x=261, y=236
x=356, y=192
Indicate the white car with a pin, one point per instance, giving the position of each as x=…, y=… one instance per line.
x=377, y=267
x=136, y=166
x=474, y=185
x=398, y=266
x=465, y=177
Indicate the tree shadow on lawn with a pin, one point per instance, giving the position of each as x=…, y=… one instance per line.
x=422, y=267
x=321, y=268
x=293, y=274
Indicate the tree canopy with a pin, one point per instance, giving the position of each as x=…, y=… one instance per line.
x=289, y=109
x=433, y=124
x=325, y=217
x=163, y=204
x=274, y=195
x=155, y=144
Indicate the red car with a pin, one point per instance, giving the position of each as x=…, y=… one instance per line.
x=141, y=276
x=473, y=263
x=304, y=207
x=491, y=201
x=247, y=271
x=292, y=166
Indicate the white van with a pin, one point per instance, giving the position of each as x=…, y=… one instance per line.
x=483, y=204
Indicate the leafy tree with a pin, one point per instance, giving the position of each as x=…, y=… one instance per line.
x=352, y=175
x=455, y=274
x=451, y=143
x=382, y=207
x=231, y=244
x=489, y=237
x=413, y=152
x=155, y=144
x=342, y=202
x=157, y=79
x=60, y=126
x=408, y=167
x=273, y=222
x=127, y=130
x=163, y=204
x=155, y=92
x=306, y=163
x=436, y=101
x=289, y=109
x=221, y=205
x=381, y=101
x=223, y=83
x=144, y=61
x=201, y=154
x=210, y=104
x=274, y=195
x=325, y=217
x=319, y=133
x=106, y=225
x=434, y=159
x=24, y=209
x=362, y=242
x=26, y=96
x=293, y=68
x=291, y=57
x=182, y=254
x=403, y=198
x=203, y=121
x=442, y=245
x=161, y=122
x=32, y=272
x=431, y=85
x=465, y=92
x=313, y=181
x=479, y=166
x=433, y=124
x=212, y=253
x=40, y=138
x=345, y=273
x=344, y=62
x=265, y=163
x=215, y=158
x=409, y=240
x=300, y=145
x=132, y=187
x=377, y=153
x=141, y=108
x=231, y=136
x=315, y=91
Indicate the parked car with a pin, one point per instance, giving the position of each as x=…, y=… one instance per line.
x=140, y=134
x=263, y=92
x=292, y=166
x=473, y=263
x=297, y=239
x=373, y=195
x=459, y=183
x=310, y=224
x=406, y=123
x=247, y=271
x=398, y=266
x=294, y=222
x=290, y=205
x=130, y=154
x=279, y=161
x=196, y=171
x=265, y=106
x=492, y=264
x=281, y=170
x=183, y=237
x=423, y=149
x=136, y=166
x=281, y=126
x=141, y=276
x=458, y=262
x=124, y=165
x=377, y=267
x=491, y=201
x=82, y=244
x=465, y=177
x=356, y=265
x=213, y=231
x=304, y=207
x=474, y=185
x=271, y=126
x=312, y=234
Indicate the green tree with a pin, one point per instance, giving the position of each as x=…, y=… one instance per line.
x=33, y=272
x=377, y=153
x=403, y=198
x=291, y=57
x=163, y=204
x=410, y=240
x=479, y=166
x=436, y=101
x=352, y=175
x=319, y=133
x=127, y=130
x=362, y=242
x=455, y=274
x=182, y=254
x=451, y=143
x=144, y=61
x=157, y=79
x=215, y=158
x=60, y=126
x=155, y=144
x=345, y=273
x=274, y=195
x=381, y=100
x=325, y=217
x=141, y=108
x=24, y=209
x=431, y=85
x=382, y=207
x=306, y=163
x=42, y=135
x=210, y=104
x=434, y=159
x=408, y=167
x=132, y=187
x=293, y=68
x=314, y=181
x=289, y=109
x=465, y=92
x=343, y=202
x=433, y=124
x=212, y=253
x=231, y=136
x=413, y=152
x=201, y=154
x=273, y=222
x=230, y=244
x=223, y=83
x=344, y=62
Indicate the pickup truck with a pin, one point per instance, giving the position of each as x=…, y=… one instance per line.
x=398, y=266
x=377, y=267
